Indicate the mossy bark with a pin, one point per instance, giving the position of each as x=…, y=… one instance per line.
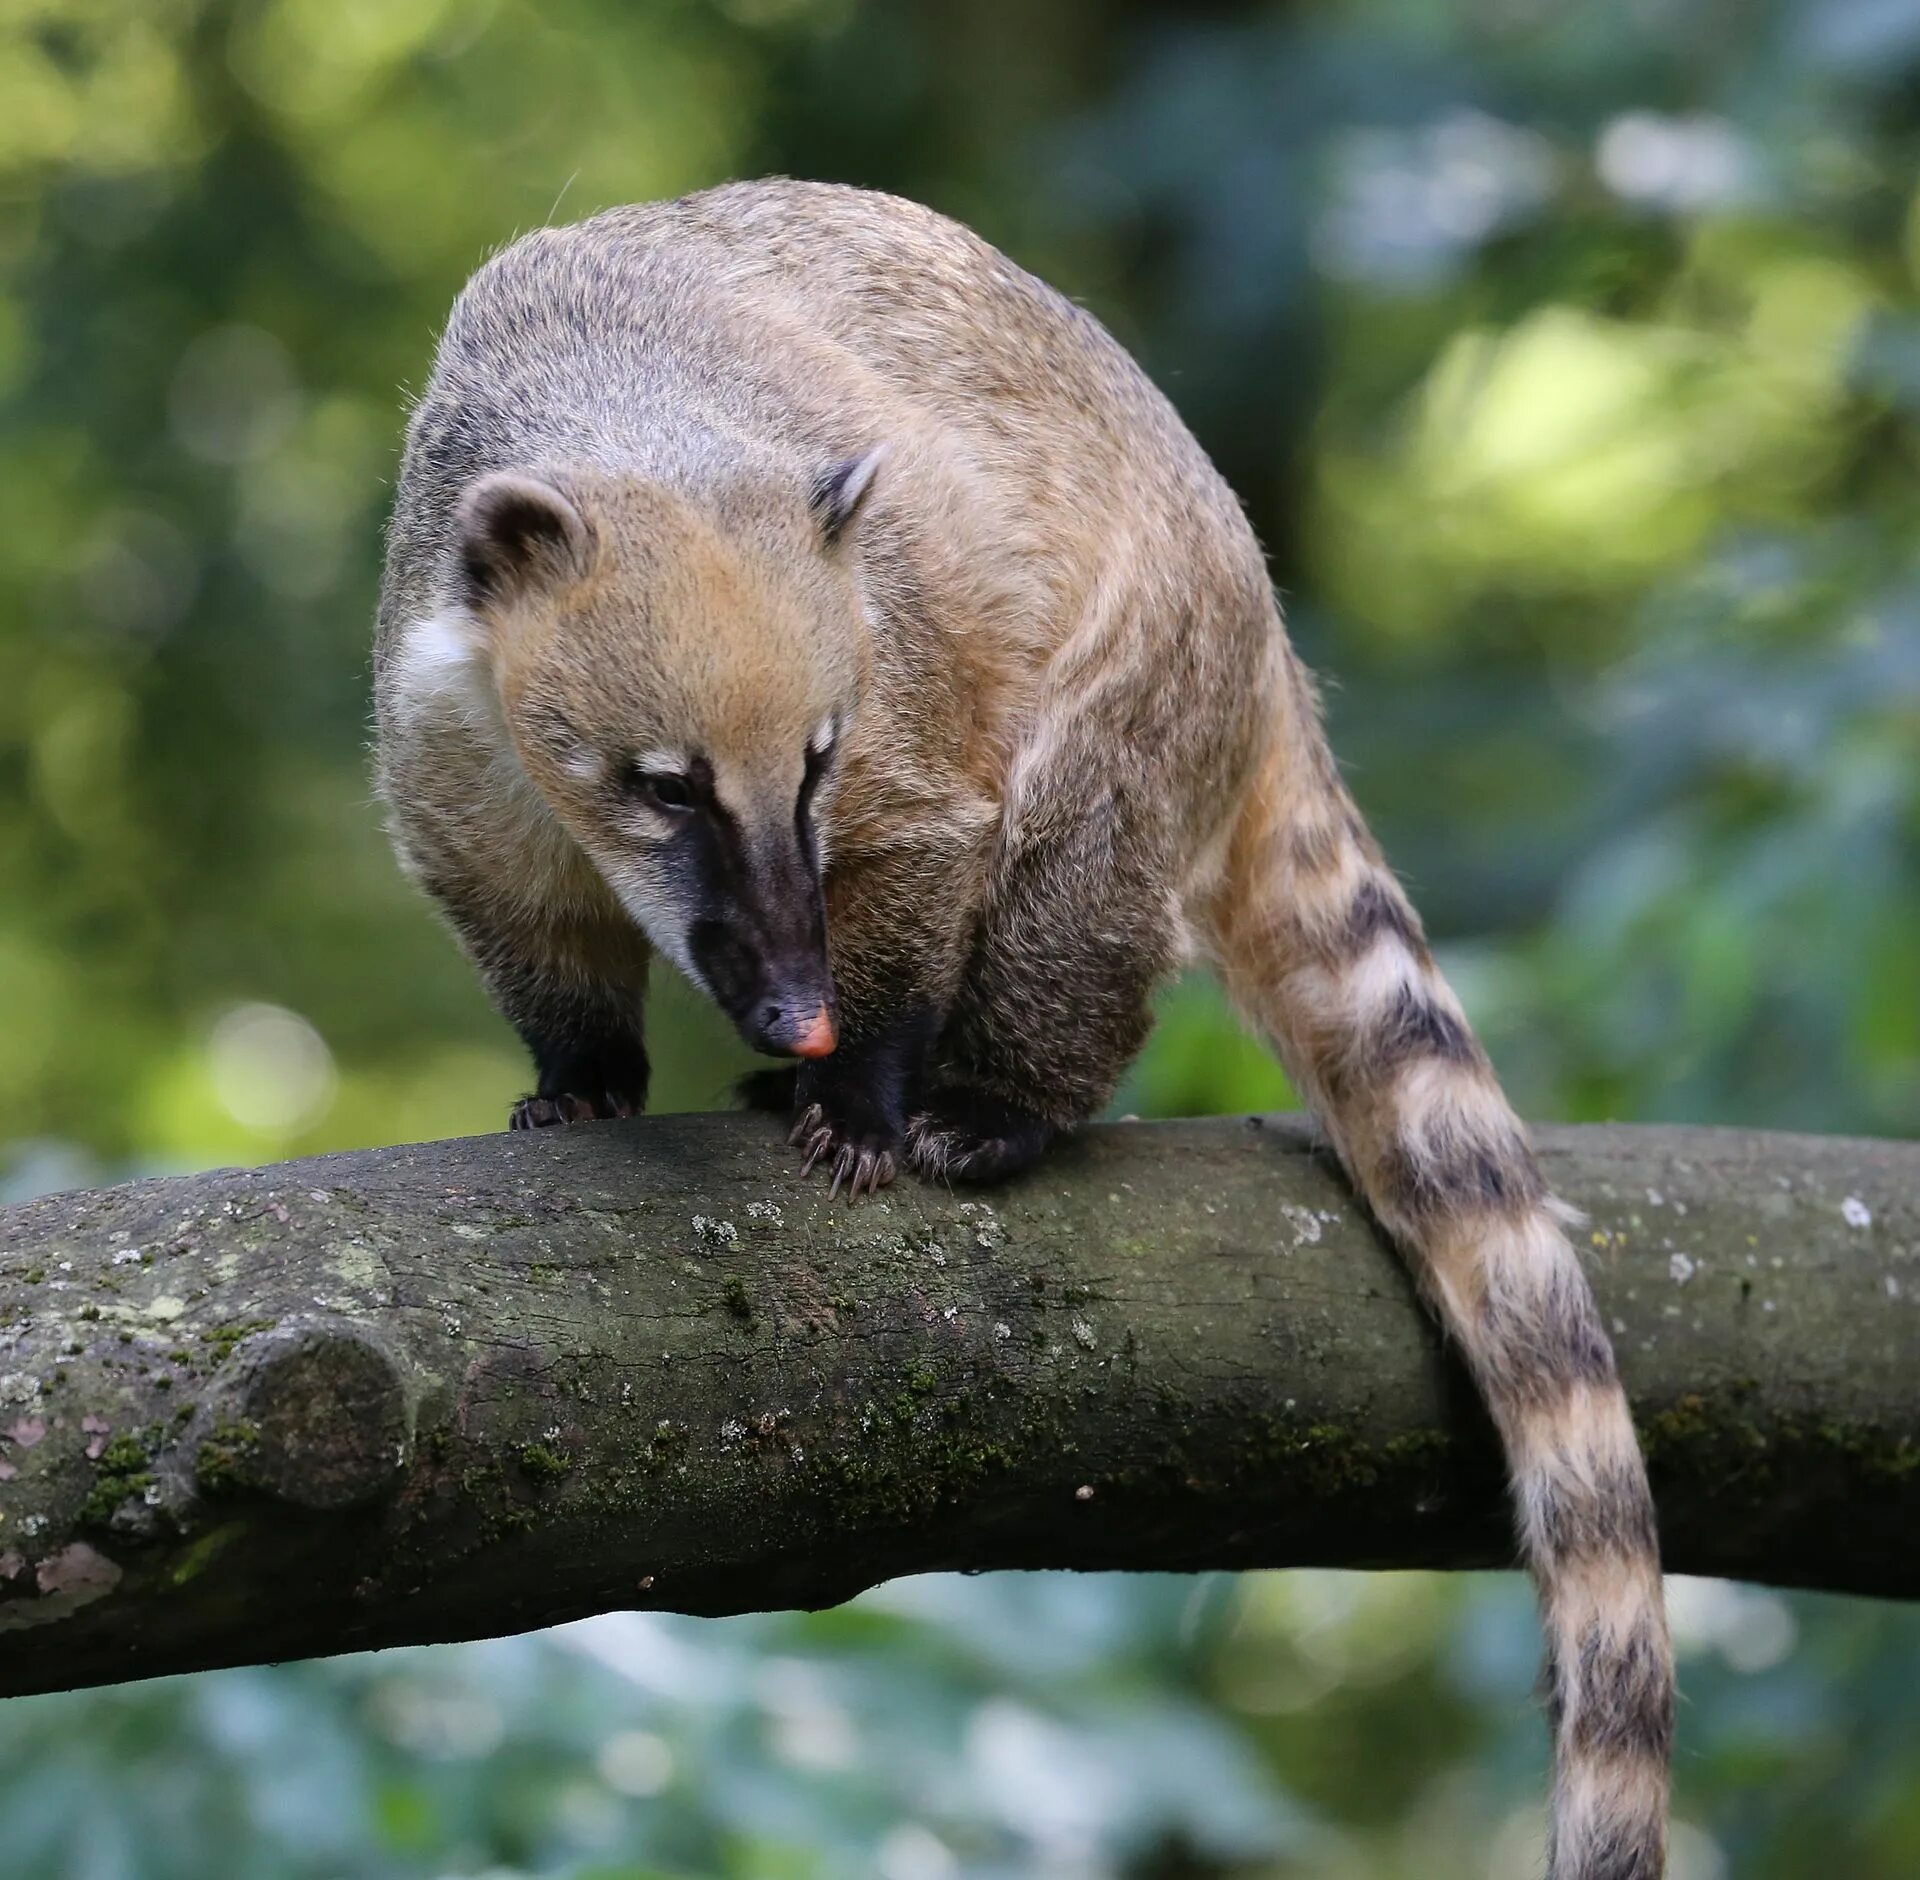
x=474, y=1387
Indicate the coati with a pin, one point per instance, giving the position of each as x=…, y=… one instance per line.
x=782, y=580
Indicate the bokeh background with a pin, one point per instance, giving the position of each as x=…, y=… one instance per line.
x=1567, y=353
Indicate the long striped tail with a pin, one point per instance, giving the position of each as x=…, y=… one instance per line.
x=1319, y=947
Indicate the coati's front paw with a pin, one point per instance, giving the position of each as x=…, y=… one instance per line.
x=969, y=1135
x=538, y=1112
x=860, y=1154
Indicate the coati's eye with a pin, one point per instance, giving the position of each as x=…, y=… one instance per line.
x=664, y=789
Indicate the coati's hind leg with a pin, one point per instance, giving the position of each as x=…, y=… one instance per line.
x=1055, y=1002
x=1124, y=771
x=963, y=1133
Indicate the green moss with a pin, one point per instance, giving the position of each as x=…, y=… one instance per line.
x=914, y=1457
x=107, y=1494
x=1277, y=1453
x=480, y=1481
x=734, y=1296
x=1722, y=1442
x=901, y=1483
x=544, y=1463
x=123, y=1453
x=1872, y=1450
x=194, y=1561
x=223, y=1464
x=221, y=1339
x=121, y=1472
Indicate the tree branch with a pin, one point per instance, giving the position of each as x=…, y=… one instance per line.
x=474, y=1387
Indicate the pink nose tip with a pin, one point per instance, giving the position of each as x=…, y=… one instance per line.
x=816, y=1037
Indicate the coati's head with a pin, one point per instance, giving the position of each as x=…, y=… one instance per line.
x=677, y=683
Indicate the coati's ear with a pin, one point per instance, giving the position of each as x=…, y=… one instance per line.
x=518, y=534
x=838, y=493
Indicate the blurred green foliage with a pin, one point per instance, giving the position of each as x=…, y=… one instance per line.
x=1567, y=353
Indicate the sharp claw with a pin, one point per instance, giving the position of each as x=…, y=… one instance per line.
x=845, y=1164
x=805, y=1123
x=817, y=1146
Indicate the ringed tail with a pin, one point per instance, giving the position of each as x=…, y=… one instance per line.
x=1318, y=945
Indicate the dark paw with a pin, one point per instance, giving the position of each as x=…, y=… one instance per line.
x=862, y=1158
x=543, y=1112
x=968, y=1135
x=771, y=1089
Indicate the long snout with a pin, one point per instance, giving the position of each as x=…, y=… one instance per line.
x=761, y=948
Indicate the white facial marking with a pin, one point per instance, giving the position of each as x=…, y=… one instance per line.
x=672, y=763
x=441, y=685
x=438, y=666
x=662, y=920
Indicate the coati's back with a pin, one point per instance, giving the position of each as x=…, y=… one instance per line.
x=764, y=327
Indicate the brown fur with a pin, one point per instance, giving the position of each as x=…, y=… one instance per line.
x=1076, y=748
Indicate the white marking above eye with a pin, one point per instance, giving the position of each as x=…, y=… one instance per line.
x=663, y=763
x=823, y=735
